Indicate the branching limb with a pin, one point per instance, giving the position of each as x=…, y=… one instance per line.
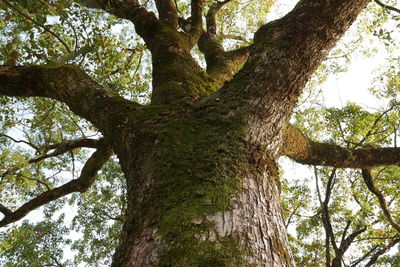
x=345, y=244
x=65, y=147
x=19, y=141
x=366, y=174
x=387, y=6
x=82, y=184
x=168, y=13
x=284, y=55
x=67, y=84
x=145, y=22
x=326, y=221
x=303, y=150
x=382, y=251
x=221, y=65
x=211, y=23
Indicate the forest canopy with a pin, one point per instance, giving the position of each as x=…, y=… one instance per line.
x=347, y=211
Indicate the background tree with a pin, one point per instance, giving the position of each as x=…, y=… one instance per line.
x=199, y=184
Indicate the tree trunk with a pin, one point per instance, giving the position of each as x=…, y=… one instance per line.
x=199, y=193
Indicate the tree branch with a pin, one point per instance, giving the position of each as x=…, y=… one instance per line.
x=66, y=146
x=221, y=65
x=211, y=23
x=345, y=244
x=366, y=174
x=382, y=251
x=285, y=53
x=197, y=16
x=326, y=220
x=387, y=6
x=145, y=22
x=168, y=13
x=303, y=150
x=19, y=141
x=67, y=84
x=82, y=184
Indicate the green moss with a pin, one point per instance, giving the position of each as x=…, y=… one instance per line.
x=198, y=164
x=196, y=252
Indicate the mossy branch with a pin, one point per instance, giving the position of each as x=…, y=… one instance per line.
x=300, y=148
x=67, y=84
x=221, y=65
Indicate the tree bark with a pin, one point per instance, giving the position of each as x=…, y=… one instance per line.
x=199, y=193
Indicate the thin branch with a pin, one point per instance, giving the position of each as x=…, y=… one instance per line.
x=221, y=65
x=38, y=24
x=382, y=251
x=366, y=174
x=329, y=235
x=346, y=228
x=20, y=141
x=210, y=18
x=82, y=184
x=66, y=146
x=387, y=6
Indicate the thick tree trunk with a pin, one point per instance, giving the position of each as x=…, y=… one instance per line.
x=199, y=193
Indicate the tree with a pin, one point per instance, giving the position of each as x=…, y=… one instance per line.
x=199, y=161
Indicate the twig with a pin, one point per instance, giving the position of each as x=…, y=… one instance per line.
x=387, y=6
x=366, y=174
x=37, y=23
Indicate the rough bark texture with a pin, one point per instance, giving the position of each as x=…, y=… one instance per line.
x=202, y=181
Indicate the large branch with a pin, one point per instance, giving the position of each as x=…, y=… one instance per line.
x=303, y=150
x=285, y=53
x=67, y=84
x=145, y=22
x=221, y=65
x=82, y=184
